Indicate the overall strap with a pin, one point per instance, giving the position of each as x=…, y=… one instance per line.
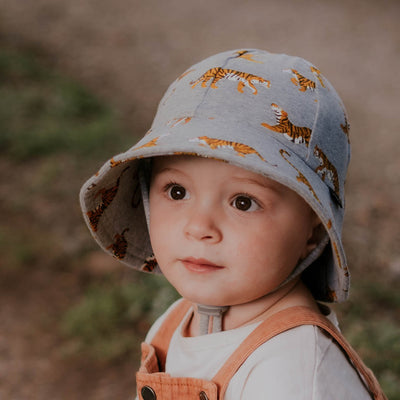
x=281, y=322
x=164, y=334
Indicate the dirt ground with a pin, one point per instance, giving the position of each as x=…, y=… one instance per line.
x=128, y=51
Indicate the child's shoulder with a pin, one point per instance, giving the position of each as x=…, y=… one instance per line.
x=301, y=363
x=159, y=321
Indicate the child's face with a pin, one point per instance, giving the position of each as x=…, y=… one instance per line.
x=223, y=235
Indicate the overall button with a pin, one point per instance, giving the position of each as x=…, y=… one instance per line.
x=203, y=396
x=148, y=393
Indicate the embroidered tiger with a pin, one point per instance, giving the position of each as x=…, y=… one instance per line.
x=296, y=134
x=119, y=246
x=218, y=73
x=301, y=81
x=247, y=56
x=300, y=177
x=327, y=170
x=107, y=196
x=241, y=149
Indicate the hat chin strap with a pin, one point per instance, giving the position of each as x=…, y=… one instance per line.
x=211, y=318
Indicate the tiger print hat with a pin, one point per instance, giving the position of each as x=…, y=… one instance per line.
x=272, y=114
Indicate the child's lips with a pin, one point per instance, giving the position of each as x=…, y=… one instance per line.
x=200, y=265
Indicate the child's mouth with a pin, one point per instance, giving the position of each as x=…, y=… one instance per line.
x=200, y=265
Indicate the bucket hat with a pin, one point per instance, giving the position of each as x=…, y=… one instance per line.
x=272, y=114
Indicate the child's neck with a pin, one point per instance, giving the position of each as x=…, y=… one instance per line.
x=292, y=294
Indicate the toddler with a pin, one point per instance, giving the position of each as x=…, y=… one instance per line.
x=236, y=195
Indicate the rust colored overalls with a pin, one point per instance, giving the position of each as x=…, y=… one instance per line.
x=154, y=384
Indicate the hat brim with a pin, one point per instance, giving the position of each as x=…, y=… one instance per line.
x=111, y=200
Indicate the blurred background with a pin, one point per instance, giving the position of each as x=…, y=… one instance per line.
x=79, y=82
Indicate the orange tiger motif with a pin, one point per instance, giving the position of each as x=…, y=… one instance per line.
x=301, y=81
x=149, y=264
x=345, y=269
x=296, y=134
x=120, y=245
x=178, y=121
x=327, y=170
x=151, y=143
x=346, y=128
x=247, y=56
x=185, y=73
x=300, y=177
x=331, y=294
x=317, y=73
x=107, y=196
x=241, y=149
x=245, y=79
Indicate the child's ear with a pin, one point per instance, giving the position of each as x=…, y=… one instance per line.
x=315, y=237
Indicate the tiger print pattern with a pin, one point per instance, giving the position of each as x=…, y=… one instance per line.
x=216, y=74
x=241, y=149
x=119, y=246
x=326, y=170
x=149, y=264
x=107, y=196
x=331, y=294
x=178, y=121
x=151, y=143
x=247, y=56
x=301, y=81
x=300, y=177
x=317, y=74
x=346, y=128
x=296, y=134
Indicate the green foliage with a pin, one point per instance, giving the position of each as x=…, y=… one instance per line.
x=111, y=319
x=372, y=326
x=42, y=112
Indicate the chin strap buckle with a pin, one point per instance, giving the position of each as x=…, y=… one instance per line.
x=211, y=318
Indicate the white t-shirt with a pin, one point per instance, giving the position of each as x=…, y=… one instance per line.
x=299, y=364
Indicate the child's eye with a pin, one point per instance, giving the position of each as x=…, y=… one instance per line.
x=176, y=192
x=245, y=203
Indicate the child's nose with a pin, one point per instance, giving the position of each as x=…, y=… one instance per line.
x=203, y=225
